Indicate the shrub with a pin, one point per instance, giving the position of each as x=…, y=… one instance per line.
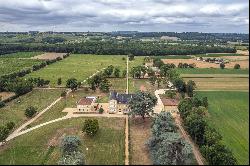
x=75, y=158
x=10, y=125
x=101, y=110
x=59, y=81
x=237, y=66
x=91, y=126
x=2, y=104
x=30, y=111
x=222, y=65
x=63, y=93
x=4, y=132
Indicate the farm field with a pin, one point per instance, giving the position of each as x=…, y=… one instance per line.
x=41, y=146
x=218, y=83
x=14, y=110
x=139, y=133
x=9, y=65
x=49, y=56
x=81, y=67
x=212, y=71
x=244, y=64
x=229, y=114
x=21, y=55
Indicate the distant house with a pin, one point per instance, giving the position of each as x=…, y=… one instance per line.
x=118, y=102
x=86, y=104
x=170, y=105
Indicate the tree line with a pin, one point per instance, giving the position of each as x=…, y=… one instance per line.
x=137, y=48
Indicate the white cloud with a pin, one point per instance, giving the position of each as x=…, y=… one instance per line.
x=102, y=13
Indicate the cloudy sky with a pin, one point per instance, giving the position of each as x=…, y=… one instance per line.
x=113, y=15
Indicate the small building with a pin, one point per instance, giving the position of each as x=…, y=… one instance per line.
x=86, y=104
x=170, y=105
x=118, y=102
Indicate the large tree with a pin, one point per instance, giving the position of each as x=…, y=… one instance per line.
x=190, y=87
x=72, y=84
x=142, y=104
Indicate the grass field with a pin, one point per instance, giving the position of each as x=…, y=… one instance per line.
x=9, y=65
x=212, y=71
x=229, y=114
x=81, y=67
x=174, y=57
x=14, y=110
x=21, y=55
x=218, y=83
x=139, y=134
x=41, y=146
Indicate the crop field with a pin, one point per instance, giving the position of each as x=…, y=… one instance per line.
x=218, y=83
x=229, y=113
x=41, y=146
x=212, y=71
x=49, y=56
x=218, y=54
x=9, y=65
x=14, y=110
x=21, y=55
x=81, y=67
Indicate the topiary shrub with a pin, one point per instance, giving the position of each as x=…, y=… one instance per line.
x=91, y=126
x=101, y=110
x=237, y=66
x=70, y=144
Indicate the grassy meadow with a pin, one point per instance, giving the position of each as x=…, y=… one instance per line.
x=81, y=66
x=15, y=109
x=41, y=146
x=228, y=113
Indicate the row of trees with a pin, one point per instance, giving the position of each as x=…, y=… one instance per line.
x=136, y=48
x=5, y=130
x=166, y=145
x=194, y=114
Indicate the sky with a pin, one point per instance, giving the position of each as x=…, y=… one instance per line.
x=223, y=16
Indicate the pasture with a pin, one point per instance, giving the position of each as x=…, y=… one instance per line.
x=41, y=146
x=9, y=65
x=15, y=109
x=229, y=114
x=81, y=66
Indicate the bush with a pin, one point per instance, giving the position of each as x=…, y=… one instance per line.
x=10, y=125
x=91, y=126
x=101, y=110
x=75, y=158
x=2, y=104
x=222, y=65
x=237, y=66
x=63, y=94
x=30, y=111
x=59, y=81
x=4, y=132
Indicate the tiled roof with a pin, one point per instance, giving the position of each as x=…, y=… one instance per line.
x=169, y=102
x=121, y=98
x=85, y=101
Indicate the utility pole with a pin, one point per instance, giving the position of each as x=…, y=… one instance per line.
x=127, y=76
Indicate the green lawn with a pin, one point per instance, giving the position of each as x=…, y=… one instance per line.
x=229, y=114
x=14, y=110
x=81, y=66
x=21, y=55
x=33, y=148
x=9, y=65
x=212, y=71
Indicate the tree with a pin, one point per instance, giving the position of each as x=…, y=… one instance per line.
x=91, y=127
x=59, y=81
x=4, y=132
x=63, y=93
x=180, y=85
x=158, y=80
x=70, y=144
x=185, y=107
x=105, y=85
x=190, y=88
x=222, y=65
x=131, y=57
x=72, y=84
x=152, y=80
x=211, y=136
x=117, y=72
x=142, y=104
x=30, y=111
x=237, y=66
x=2, y=104
x=170, y=94
x=108, y=71
x=75, y=158
x=124, y=73
x=205, y=102
x=10, y=125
